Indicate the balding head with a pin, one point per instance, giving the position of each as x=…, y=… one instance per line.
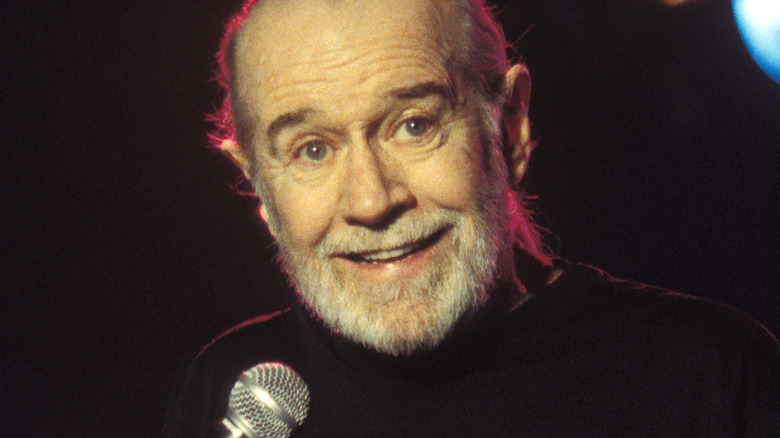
x=469, y=33
x=372, y=130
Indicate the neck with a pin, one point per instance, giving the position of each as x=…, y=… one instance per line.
x=530, y=275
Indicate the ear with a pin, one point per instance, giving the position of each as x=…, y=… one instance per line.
x=517, y=127
x=264, y=215
x=238, y=155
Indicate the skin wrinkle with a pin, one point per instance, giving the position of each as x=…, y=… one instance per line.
x=453, y=26
x=272, y=166
x=373, y=135
x=455, y=182
x=410, y=92
x=288, y=95
x=376, y=47
x=287, y=128
x=281, y=99
x=477, y=56
x=276, y=68
x=330, y=58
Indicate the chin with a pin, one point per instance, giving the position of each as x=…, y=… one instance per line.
x=412, y=323
x=410, y=315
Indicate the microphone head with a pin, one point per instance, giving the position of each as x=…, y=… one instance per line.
x=268, y=400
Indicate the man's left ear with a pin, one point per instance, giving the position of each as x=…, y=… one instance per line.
x=517, y=128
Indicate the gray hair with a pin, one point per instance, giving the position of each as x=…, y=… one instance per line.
x=480, y=59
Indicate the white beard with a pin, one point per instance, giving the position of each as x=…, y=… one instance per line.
x=412, y=314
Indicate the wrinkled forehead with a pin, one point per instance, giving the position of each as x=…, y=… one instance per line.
x=279, y=33
x=351, y=16
x=295, y=53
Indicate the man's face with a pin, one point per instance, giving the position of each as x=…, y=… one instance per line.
x=371, y=161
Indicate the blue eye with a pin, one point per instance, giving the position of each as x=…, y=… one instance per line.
x=315, y=151
x=415, y=127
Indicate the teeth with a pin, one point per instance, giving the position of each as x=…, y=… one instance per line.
x=377, y=256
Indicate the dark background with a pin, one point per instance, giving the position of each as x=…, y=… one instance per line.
x=127, y=248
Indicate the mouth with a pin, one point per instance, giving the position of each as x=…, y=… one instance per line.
x=395, y=254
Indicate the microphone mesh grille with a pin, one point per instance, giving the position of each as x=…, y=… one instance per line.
x=284, y=386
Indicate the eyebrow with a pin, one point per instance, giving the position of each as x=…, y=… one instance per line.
x=415, y=91
x=285, y=120
x=423, y=89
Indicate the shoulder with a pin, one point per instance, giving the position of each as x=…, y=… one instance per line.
x=704, y=363
x=266, y=338
x=697, y=323
x=262, y=328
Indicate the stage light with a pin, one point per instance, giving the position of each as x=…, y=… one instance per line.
x=759, y=25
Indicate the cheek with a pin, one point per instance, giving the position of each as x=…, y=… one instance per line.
x=304, y=215
x=452, y=179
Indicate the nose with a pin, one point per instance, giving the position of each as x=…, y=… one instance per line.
x=373, y=190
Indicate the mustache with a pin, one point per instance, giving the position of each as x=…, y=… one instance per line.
x=403, y=232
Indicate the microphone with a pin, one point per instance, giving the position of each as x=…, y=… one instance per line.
x=269, y=400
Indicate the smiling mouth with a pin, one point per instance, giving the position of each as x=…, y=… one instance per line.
x=396, y=254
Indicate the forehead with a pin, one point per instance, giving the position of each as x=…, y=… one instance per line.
x=304, y=52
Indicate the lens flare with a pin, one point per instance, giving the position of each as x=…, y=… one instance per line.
x=759, y=25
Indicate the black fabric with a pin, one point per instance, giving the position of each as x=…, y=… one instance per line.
x=589, y=356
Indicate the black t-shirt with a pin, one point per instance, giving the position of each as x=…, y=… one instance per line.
x=587, y=356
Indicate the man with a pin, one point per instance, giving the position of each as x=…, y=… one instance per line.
x=384, y=138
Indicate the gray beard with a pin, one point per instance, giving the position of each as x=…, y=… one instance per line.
x=413, y=314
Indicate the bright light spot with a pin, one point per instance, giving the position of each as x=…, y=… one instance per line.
x=759, y=25
x=758, y=12
x=673, y=3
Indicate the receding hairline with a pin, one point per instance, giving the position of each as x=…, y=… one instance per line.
x=480, y=57
x=445, y=17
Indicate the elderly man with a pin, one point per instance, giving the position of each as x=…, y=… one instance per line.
x=384, y=139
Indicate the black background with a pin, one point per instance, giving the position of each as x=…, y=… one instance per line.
x=127, y=248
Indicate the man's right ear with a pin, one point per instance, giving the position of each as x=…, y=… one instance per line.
x=238, y=155
x=263, y=210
